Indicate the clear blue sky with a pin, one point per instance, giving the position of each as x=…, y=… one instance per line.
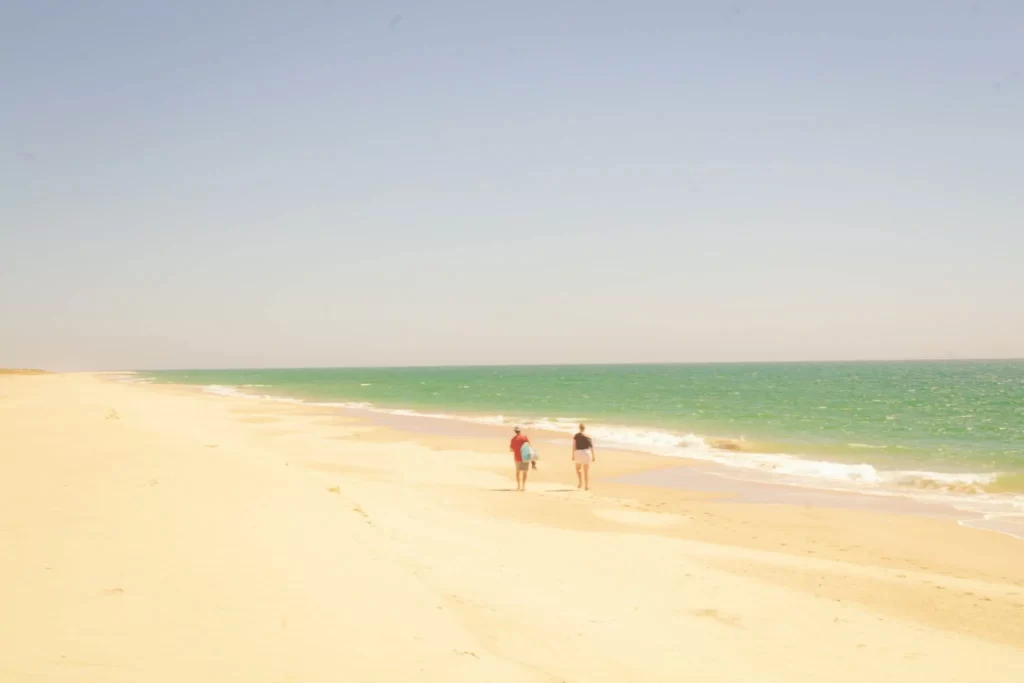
x=212, y=184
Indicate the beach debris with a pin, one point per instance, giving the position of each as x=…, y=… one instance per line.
x=334, y=489
x=113, y=415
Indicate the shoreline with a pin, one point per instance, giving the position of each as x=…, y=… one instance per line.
x=296, y=542
x=692, y=475
x=1001, y=511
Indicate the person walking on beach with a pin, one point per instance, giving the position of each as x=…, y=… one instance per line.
x=522, y=464
x=583, y=455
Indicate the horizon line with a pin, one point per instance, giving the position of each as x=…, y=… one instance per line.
x=577, y=365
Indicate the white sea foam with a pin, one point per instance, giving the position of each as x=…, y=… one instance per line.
x=223, y=390
x=220, y=390
x=129, y=377
x=951, y=479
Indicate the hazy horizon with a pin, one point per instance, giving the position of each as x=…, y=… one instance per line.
x=331, y=184
x=571, y=364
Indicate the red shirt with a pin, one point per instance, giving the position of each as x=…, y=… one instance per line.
x=517, y=445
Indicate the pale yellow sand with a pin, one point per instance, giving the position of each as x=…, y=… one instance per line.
x=159, y=534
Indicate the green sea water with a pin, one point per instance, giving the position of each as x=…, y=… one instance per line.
x=855, y=421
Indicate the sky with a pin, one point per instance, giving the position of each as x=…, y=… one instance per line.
x=329, y=183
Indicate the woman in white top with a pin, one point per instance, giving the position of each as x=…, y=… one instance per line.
x=583, y=455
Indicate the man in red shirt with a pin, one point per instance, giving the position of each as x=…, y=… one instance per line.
x=522, y=466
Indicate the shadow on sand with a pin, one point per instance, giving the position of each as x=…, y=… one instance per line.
x=537, y=489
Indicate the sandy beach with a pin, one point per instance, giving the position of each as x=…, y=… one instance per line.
x=156, y=533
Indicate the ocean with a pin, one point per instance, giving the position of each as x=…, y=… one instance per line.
x=955, y=427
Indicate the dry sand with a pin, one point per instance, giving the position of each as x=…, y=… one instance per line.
x=159, y=534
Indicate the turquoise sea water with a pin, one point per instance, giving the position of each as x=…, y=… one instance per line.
x=957, y=425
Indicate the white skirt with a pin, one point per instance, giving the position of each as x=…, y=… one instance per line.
x=582, y=457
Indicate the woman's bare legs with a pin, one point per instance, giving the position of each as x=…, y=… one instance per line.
x=586, y=476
